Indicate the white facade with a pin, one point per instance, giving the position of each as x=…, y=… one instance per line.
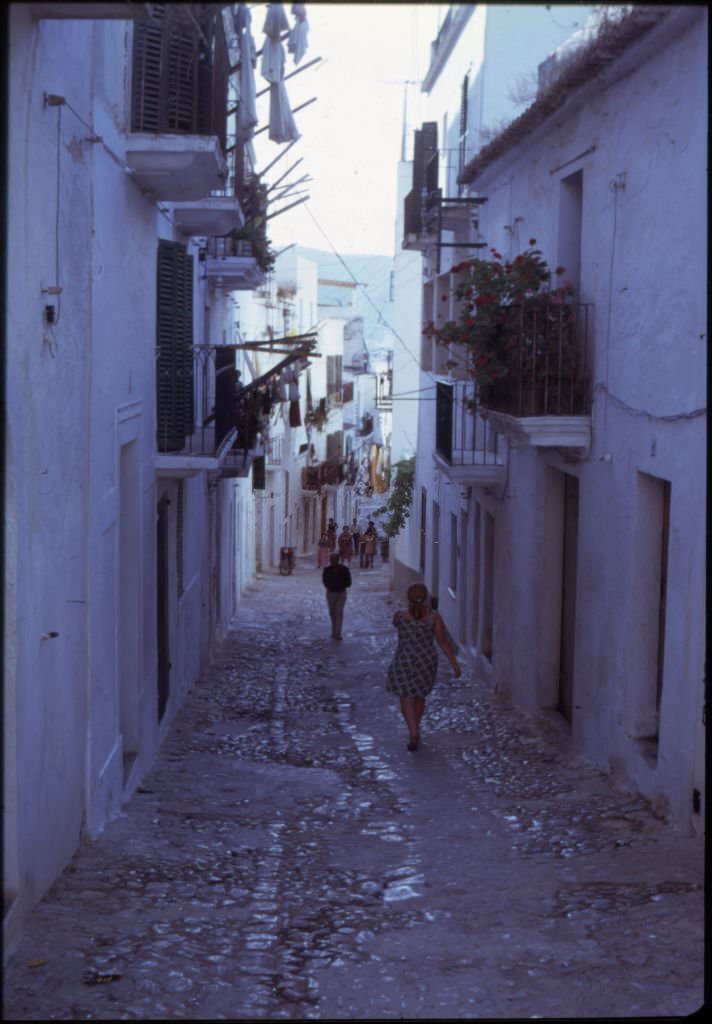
x=573, y=572
x=122, y=562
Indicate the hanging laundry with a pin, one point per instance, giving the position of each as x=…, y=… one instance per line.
x=282, y=126
x=298, y=35
x=247, y=102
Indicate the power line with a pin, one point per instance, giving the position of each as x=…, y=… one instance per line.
x=348, y=270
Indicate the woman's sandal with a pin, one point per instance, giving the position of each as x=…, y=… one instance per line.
x=413, y=744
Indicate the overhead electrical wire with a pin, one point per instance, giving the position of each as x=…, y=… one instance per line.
x=367, y=296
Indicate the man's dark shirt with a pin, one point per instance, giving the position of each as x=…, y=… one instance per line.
x=336, y=577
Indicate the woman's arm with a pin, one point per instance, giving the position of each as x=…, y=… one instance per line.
x=397, y=618
x=444, y=643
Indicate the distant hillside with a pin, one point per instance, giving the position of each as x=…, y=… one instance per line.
x=372, y=271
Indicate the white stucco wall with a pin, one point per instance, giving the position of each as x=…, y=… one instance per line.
x=80, y=659
x=643, y=259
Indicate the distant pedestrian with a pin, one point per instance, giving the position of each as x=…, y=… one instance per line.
x=337, y=579
x=322, y=557
x=370, y=540
x=411, y=673
x=362, y=549
x=331, y=531
x=355, y=534
x=346, y=546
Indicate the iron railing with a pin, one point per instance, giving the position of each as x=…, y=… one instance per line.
x=273, y=451
x=331, y=471
x=545, y=347
x=462, y=436
x=220, y=409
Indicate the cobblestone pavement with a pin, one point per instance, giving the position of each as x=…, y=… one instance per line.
x=287, y=858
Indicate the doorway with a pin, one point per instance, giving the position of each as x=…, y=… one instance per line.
x=162, y=582
x=569, y=570
x=129, y=604
x=435, y=558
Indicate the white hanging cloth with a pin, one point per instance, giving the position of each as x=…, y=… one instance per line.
x=282, y=126
x=276, y=23
x=247, y=107
x=272, y=67
x=298, y=34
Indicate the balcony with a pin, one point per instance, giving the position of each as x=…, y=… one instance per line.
x=201, y=423
x=176, y=146
x=211, y=216
x=384, y=391
x=232, y=264
x=330, y=473
x=274, y=456
x=468, y=449
x=545, y=397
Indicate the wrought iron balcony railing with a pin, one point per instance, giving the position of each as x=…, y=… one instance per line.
x=545, y=347
x=331, y=472
x=462, y=436
x=200, y=409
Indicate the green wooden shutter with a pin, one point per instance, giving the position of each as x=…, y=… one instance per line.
x=174, y=343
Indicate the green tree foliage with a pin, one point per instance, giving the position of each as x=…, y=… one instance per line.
x=398, y=506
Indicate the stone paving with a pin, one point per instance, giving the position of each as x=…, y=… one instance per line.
x=287, y=858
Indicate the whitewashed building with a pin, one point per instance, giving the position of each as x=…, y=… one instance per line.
x=127, y=476
x=482, y=71
x=565, y=543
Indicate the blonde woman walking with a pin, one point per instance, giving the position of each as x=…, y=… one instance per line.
x=411, y=673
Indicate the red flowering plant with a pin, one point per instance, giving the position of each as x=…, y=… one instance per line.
x=500, y=300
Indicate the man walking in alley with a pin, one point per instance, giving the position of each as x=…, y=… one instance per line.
x=336, y=578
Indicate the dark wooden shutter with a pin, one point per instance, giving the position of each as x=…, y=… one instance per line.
x=146, y=77
x=225, y=381
x=178, y=74
x=443, y=419
x=430, y=156
x=174, y=343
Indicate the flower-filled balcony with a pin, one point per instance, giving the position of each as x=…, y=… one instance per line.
x=525, y=347
x=203, y=423
x=176, y=146
x=467, y=448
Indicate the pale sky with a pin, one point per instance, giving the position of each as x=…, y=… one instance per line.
x=351, y=135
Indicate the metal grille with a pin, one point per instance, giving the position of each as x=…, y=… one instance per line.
x=545, y=346
x=463, y=437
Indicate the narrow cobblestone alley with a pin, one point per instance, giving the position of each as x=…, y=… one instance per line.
x=287, y=858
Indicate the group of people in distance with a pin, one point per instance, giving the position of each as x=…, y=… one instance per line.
x=350, y=542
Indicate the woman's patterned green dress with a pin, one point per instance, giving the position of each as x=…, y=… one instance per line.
x=412, y=671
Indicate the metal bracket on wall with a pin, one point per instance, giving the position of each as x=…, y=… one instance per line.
x=454, y=205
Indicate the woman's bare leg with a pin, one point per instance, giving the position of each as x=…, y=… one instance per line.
x=409, y=714
x=419, y=705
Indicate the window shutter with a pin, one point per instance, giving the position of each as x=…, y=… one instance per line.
x=178, y=74
x=443, y=419
x=146, y=64
x=225, y=381
x=430, y=156
x=174, y=344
